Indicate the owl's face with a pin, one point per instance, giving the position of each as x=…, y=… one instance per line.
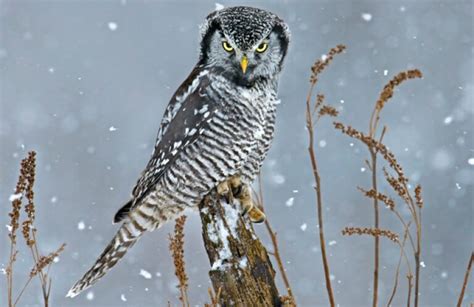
x=244, y=44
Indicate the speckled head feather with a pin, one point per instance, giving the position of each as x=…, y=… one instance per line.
x=244, y=26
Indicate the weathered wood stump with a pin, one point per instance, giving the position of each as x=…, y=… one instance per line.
x=240, y=266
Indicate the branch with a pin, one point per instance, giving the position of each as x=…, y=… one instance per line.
x=241, y=270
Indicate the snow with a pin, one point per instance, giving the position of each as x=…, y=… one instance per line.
x=90, y=296
x=145, y=274
x=219, y=6
x=448, y=120
x=221, y=233
x=290, y=202
x=9, y=227
x=81, y=225
x=112, y=128
x=123, y=298
x=423, y=265
x=322, y=143
x=303, y=227
x=470, y=161
x=243, y=262
x=278, y=179
x=444, y=275
x=14, y=197
x=51, y=70
x=54, y=199
x=331, y=243
x=112, y=26
x=362, y=169
x=385, y=72
x=442, y=159
x=366, y=16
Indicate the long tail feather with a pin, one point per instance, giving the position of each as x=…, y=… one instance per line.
x=127, y=235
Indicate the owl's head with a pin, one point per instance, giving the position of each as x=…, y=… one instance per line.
x=244, y=44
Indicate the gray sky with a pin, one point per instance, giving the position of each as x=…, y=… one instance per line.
x=85, y=85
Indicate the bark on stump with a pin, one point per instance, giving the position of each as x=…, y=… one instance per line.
x=240, y=265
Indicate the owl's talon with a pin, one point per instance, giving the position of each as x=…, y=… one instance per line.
x=247, y=206
x=256, y=215
x=223, y=188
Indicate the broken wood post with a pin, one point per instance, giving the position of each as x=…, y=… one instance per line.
x=241, y=270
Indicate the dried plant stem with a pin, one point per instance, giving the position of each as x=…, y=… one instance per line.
x=314, y=165
x=177, y=251
x=402, y=256
x=466, y=279
x=311, y=110
x=273, y=237
x=24, y=189
x=410, y=285
x=373, y=166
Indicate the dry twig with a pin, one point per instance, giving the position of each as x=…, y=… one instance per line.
x=316, y=69
x=177, y=251
x=273, y=237
x=24, y=188
x=466, y=279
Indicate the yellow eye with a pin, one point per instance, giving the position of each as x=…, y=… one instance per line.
x=262, y=47
x=227, y=47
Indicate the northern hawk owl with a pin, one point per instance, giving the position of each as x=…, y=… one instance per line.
x=218, y=125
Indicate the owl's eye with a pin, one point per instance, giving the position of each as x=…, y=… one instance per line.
x=227, y=47
x=262, y=47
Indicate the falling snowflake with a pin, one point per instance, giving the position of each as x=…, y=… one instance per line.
x=145, y=274
x=81, y=225
x=123, y=298
x=290, y=201
x=448, y=120
x=90, y=295
x=303, y=227
x=112, y=26
x=470, y=161
x=112, y=128
x=366, y=16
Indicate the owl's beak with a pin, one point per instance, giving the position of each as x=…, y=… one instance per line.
x=243, y=63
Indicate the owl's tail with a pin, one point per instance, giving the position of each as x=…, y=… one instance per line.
x=127, y=235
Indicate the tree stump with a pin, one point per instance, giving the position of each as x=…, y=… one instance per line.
x=240, y=266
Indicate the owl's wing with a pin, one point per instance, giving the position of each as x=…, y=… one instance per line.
x=185, y=120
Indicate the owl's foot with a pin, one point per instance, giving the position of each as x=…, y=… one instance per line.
x=230, y=188
x=254, y=213
x=233, y=187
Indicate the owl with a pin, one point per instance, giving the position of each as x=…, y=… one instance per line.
x=215, y=132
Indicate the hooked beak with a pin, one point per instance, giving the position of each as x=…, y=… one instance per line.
x=243, y=63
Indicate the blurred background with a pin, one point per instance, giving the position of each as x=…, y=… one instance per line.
x=85, y=83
